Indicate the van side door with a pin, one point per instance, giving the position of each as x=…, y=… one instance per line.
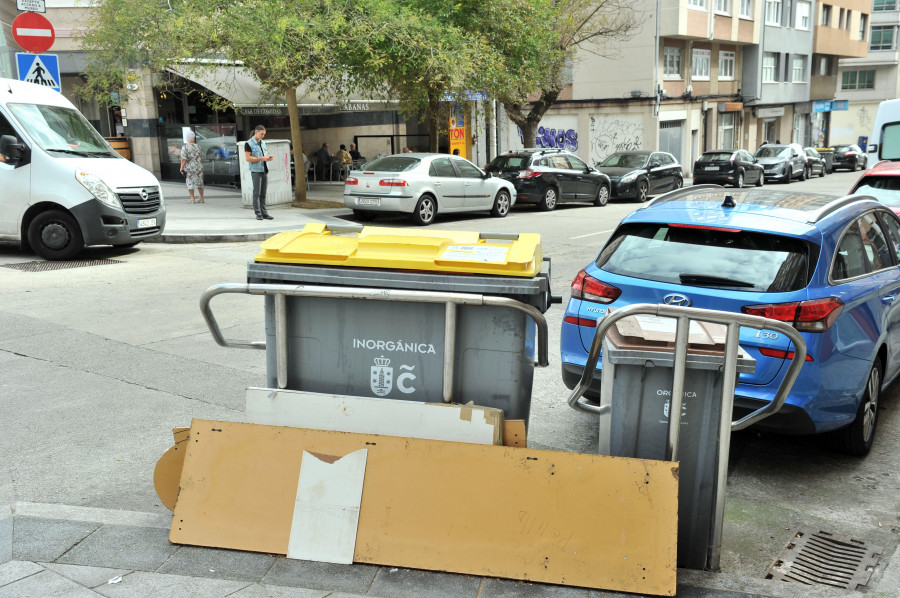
x=15, y=181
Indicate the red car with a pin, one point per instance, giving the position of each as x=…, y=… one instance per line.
x=882, y=182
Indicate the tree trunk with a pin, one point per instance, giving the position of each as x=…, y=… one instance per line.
x=434, y=113
x=528, y=123
x=290, y=94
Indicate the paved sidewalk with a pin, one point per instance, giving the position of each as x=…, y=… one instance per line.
x=79, y=552
x=222, y=216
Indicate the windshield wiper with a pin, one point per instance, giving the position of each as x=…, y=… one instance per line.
x=721, y=281
x=66, y=151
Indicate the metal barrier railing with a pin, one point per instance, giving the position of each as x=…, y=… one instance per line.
x=733, y=323
x=450, y=300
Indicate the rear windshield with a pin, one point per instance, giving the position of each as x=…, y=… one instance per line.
x=746, y=261
x=715, y=157
x=773, y=151
x=885, y=189
x=392, y=164
x=509, y=163
x=842, y=149
x=625, y=160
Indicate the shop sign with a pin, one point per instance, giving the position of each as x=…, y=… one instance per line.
x=821, y=106
x=263, y=111
x=770, y=112
x=731, y=106
x=840, y=105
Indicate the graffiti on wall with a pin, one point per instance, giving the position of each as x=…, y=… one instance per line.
x=566, y=139
x=615, y=134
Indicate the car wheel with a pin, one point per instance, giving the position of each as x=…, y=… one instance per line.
x=803, y=174
x=740, y=180
x=855, y=166
x=642, y=191
x=679, y=182
x=602, y=196
x=857, y=438
x=548, y=201
x=425, y=211
x=364, y=215
x=788, y=175
x=822, y=173
x=501, y=204
x=761, y=180
x=54, y=235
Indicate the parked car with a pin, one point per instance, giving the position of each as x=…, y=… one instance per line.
x=637, y=175
x=850, y=157
x=424, y=185
x=782, y=162
x=728, y=167
x=828, y=265
x=814, y=162
x=882, y=182
x=549, y=176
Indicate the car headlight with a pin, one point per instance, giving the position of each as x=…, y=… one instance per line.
x=98, y=188
x=629, y=177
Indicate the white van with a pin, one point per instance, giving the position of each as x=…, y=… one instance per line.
x=888, y=112
x=62, y=186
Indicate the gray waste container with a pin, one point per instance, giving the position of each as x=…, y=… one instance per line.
x=827, y=154
x=638, y=365
x=396, y=349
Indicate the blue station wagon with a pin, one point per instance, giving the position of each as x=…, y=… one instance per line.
x=830, y=266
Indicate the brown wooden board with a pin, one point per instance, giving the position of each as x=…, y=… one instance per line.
x=544, y=516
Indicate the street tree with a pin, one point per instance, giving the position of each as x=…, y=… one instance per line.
x=282, y=43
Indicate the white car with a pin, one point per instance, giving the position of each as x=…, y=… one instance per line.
x=423, y=185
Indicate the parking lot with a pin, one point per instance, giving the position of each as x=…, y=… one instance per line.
x=98, y=363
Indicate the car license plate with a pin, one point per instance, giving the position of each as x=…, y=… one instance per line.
x=368, y=201
x=147, y=223
x=711, y=168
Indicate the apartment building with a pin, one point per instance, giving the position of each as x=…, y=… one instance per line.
x=865, y=80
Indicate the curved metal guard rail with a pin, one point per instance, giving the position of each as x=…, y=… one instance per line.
x=733, y=322
x=450, y=300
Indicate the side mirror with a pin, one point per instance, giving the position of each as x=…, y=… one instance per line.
x=12, y=149
x=487, y=174
x=654, y=164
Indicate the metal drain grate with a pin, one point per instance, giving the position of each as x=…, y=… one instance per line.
x=45, y=266
x=814, y=557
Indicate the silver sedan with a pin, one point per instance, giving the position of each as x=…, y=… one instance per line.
x=423, y=185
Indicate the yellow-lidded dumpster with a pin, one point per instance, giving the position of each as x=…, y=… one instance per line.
x=349, y=345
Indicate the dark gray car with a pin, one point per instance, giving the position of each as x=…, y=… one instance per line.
x=637, y=175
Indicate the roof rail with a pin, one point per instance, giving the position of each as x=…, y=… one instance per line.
x=545, y=150
x=835, y=205
x=682, y=191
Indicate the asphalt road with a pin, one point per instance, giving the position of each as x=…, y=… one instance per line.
x=98, y=363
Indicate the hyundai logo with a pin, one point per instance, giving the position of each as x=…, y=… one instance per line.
x=144, y=195
x=677, y=299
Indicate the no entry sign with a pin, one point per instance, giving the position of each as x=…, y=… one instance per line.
x=33, y=32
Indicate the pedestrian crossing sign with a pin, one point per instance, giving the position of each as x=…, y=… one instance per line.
x=42, y=69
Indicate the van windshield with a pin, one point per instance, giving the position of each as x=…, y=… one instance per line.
x=62, y=130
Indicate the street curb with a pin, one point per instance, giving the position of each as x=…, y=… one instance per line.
x=91, y=514
x=6, y=533
x=184, y=238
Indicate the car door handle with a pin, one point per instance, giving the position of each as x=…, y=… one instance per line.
x=437, y=183
x=888, y=299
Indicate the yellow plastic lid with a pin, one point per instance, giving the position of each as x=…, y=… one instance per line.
x=471, y=252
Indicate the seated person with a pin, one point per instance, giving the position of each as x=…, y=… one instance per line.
x=354, y=153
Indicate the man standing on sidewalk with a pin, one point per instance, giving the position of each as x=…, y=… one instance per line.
x=256, y=154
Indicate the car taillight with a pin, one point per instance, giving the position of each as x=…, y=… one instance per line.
x=351, y=180
x=393, y=183
x=529, y=174
x=815, y=315
x=588, y=288
x=848, y=155
x=586, y=322
x=778, y=354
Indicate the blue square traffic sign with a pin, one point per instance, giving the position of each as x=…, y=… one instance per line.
x=42, y=69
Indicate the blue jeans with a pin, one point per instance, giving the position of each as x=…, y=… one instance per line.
x=260, y=182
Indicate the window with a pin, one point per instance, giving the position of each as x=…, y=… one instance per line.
x=442, y=168
x=824, y=66
x=697, y=4
x=841, y=19
x=700, y=64
x=847, y=21
x=798, y=69
x=858, y=80
x=726, y=130
x=803, y=11
x=747, y=9
x=826, y=15
x=863, y=22
x=576, y=164
x=723, y=6
x=671, y=63
x=468, y=170
x=769, y=66
x=773, y=12
x=881, y=5
x=726, y=65
x=882, y=37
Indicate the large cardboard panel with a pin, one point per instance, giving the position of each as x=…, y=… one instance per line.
x=545, y=516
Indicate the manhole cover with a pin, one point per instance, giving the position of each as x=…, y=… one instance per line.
x=44, y=266
x=815, y=557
